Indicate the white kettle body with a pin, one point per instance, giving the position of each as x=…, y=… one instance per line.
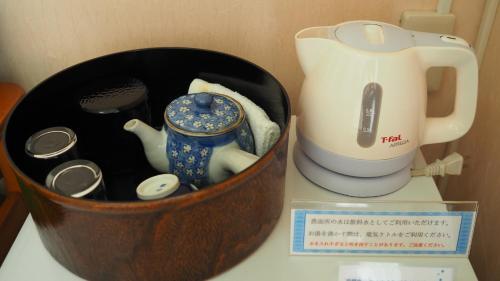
x=362, y=108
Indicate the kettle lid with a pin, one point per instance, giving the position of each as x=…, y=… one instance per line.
x=204, y=114
x=374, y=36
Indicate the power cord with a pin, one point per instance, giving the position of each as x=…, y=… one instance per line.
x=451, y=165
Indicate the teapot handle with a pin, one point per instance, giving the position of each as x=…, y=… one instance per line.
x=237, y=160
x=446, y=50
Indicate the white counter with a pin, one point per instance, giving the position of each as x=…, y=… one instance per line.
x=272, y=260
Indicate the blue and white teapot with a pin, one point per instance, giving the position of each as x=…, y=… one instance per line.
x=204, y=140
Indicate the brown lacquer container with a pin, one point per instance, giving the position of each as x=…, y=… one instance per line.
x=191, y=236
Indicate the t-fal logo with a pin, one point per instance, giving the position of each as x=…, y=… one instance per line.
x=394, y=140
x=391, y=138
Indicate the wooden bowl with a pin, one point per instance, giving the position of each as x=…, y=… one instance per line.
x=192, y=236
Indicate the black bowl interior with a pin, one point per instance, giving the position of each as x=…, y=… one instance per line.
x=167, y=72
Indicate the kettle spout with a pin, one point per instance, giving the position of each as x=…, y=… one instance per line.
x=153, y=141
x=312, y=45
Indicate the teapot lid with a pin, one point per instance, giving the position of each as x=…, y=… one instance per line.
x=204, y=114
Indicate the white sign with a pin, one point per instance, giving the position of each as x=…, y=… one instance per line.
x=370, y=271
x=364, y=232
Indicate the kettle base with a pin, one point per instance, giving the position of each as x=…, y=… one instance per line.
x=349, y=185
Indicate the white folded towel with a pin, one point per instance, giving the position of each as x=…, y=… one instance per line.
x=265, y=131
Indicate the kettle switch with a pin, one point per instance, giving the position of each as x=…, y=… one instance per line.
x=369, y=115
x=454, y=40
x=374, y=34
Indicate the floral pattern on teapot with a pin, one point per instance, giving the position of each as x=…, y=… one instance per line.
x=245, y=138
x=188, y=159
x=198, y=123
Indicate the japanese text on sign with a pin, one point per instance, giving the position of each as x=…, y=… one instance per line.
x=366, y=232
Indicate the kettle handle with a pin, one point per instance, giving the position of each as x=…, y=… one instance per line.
x=446, y=50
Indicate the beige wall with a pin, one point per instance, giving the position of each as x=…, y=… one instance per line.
x=481, y=177
x=39, y=38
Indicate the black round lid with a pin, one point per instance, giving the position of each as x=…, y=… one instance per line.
x=112, y=94
x=75, y=178
x=50, y=142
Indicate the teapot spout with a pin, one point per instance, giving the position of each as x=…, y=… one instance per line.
x=153, y=141
x=312, y=44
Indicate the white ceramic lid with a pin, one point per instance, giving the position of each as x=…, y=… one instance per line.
x=158, y=187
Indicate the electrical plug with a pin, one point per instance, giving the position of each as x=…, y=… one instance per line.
x=451, y=165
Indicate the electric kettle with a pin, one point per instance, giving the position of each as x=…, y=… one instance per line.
x=362, y=108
